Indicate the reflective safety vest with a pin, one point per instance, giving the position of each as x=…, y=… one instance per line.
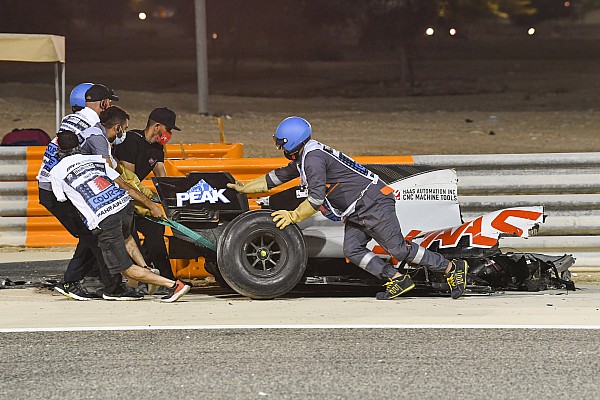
x=343, y=160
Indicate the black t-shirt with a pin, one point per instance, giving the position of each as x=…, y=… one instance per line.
x=137, y=150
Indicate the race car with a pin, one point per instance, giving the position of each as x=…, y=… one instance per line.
x=260, y=261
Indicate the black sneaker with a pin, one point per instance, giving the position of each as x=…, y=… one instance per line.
x=60, y=288
x=457, y=278
x=123, y=293
x=396, y=287
x=75, y=291
x=179, y=290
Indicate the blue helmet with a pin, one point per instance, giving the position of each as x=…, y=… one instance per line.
x=77, y=98
x=291, y=134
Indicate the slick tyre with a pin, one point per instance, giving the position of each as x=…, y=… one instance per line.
x=259, y=260
x=212, y=268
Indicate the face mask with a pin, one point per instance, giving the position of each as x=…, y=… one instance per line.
x=290, y=156
x=119, y=140
x=164, y=137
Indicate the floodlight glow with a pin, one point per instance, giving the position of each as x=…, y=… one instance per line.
x=215, y=36
x=531, y=31
x=142, y=16
x=452, y=31
x=567, y=4
x=429, y=32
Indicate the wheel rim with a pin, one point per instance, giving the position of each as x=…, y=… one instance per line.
x=263, y=254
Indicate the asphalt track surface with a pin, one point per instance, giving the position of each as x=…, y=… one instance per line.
x=337, y=361
x=302, y=364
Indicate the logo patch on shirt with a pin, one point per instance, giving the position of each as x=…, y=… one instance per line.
x=98, y=184
x=201, y=192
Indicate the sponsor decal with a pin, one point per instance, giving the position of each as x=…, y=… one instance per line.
x=200, y=193
x=113, y=206
x=98, y=184
x=50, y=157
x=426, y=194
x=482, y=232
x=98, y=191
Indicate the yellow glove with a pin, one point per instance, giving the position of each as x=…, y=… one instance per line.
x=258, y=185
x=131, y=178
x=283, y=218
x=141, y=210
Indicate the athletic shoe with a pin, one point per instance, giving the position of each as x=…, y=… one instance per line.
x=142, y=288
x=75, y=291
x=179, y=290
x=457, y=278
x=60, y=288
x=396, y=287
x=153, y=288
x=123, y=293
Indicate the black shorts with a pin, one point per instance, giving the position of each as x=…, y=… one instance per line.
x=114, y=229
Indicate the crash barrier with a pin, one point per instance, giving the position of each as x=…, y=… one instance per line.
x=24, y=222
x=566, y=184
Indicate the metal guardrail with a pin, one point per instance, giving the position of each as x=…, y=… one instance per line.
x=566, y=184
x=24, y=222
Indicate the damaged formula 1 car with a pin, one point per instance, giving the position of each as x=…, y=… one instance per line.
x=258, y=260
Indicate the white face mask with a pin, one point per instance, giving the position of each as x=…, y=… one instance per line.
x=119, y=140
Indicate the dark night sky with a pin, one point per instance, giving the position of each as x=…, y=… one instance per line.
x=162, y=47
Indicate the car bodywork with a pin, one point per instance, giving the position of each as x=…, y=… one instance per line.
x=260, y=261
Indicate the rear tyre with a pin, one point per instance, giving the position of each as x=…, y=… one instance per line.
x=259, y=260
x=212, y=268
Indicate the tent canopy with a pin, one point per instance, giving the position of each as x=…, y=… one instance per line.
x=38, y=48
x=32, y=48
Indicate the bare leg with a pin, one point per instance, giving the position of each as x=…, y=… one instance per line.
x=134, y=252
x=145, y=275
x=136, y=255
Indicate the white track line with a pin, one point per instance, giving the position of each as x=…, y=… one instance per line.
x=300, y=326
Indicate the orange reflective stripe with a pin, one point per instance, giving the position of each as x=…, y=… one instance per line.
x=386, y=190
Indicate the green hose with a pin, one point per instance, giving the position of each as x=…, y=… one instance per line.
x=197, y=238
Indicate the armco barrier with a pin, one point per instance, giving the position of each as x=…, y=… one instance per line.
x=566, y=184
x=24, y=222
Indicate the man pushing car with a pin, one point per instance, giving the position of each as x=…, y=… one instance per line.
x=89, y=183
x=357, y=196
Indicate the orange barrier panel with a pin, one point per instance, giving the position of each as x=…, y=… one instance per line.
x=47, y=232
x=175, y=151
x=242, y=168
x=205, y=150
x=189, y=269
x=44, y=230
x=193, y=150
x=249, y=168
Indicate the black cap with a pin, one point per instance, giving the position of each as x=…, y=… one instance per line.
x=100, y=92
x=164, y=116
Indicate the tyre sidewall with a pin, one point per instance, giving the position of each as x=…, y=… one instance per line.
x=279, y=273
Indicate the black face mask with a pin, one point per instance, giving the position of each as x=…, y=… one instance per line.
x=290, y=156
x=293, y=155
